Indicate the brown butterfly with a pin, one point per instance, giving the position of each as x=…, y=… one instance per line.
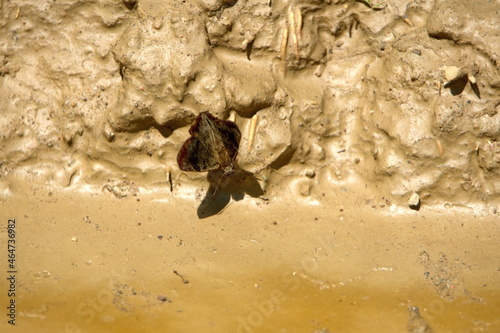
x=213, y=145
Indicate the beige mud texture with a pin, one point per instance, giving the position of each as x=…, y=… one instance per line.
x=366, y=193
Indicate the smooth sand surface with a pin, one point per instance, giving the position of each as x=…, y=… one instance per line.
x=101, y=264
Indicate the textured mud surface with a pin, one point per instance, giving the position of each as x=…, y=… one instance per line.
x=402, y=97
x=350, y=111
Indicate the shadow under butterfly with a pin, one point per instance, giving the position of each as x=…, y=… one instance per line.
x=213, y=147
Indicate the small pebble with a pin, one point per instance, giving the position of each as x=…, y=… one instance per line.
x=162, y=298
x=157, y=24
x=310, y=173
x=472, y=79
x=414, y=202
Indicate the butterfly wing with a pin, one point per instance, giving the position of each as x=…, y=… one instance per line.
x=196, y=155
x=230, y=137
x=213, y=144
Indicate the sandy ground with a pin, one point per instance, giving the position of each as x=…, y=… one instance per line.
x=94, y=264
x=348, y=110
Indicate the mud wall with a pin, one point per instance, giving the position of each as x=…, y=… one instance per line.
x=396, y=97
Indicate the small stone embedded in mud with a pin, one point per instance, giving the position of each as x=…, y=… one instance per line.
x=305, y=189
x=162, y=298
x=414, y=202
x=157, y=24
x=310, y=173
x=416, y=51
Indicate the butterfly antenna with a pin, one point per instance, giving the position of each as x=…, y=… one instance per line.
x=285, y=178
x=218, y=183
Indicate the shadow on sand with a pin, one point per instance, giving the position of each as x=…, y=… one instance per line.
x=224, y=186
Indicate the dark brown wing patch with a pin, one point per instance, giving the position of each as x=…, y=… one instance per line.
x=213, y=144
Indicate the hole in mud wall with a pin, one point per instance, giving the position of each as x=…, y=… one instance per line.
x=130, y=4
x=457, y=86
